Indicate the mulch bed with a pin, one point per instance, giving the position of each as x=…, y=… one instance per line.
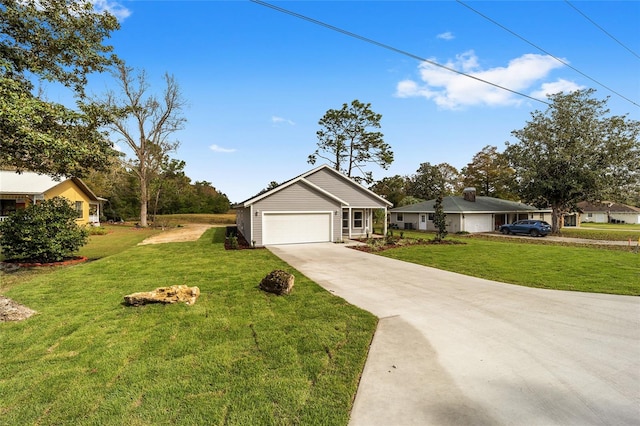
x=373, y=247
x=11, y=264
x=242, y=244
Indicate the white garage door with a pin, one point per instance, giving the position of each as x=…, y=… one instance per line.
x=289, y=228
x=478, y=223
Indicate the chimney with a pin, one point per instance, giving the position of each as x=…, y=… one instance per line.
x=469, y=194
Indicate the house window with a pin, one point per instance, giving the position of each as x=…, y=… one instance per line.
x=357, y=219
x=79, y=209
x=589, y=215
x=423, y=218
x=400, y=217
x=432, y=216
x=7, y=207
x=345, y=219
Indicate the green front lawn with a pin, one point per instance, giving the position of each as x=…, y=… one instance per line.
x=239, y=356
x=612, y=226
x=607, y=234
x=534, y=265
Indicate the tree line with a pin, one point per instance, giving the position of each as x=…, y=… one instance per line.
x=488, y=172
x=170, y=191
x=573, y=151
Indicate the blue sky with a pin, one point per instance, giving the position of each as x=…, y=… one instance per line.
x=257, y=81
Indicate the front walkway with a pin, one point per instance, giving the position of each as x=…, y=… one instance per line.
x=457, y=350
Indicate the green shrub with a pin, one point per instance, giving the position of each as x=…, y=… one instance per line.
x=44, y=232
x=97, y=230
x=234, y=243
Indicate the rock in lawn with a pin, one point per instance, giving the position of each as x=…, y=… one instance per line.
x=173, y=294
x=278, y=282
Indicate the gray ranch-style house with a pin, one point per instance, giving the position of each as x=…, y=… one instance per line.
x=321, y=205
x=466, y=213
x=608, y=212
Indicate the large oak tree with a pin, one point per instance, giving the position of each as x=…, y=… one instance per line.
x=60, y=42
x=575, y=151
x=490, y=174
x=429, y=181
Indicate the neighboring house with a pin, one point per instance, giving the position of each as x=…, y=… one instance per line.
x=319, y=205
x=18, y=190
x=466, y=213
x=608, y=212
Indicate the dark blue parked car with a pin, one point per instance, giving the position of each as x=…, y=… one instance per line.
x=535, y=228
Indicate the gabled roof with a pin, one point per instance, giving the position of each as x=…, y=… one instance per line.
x=607, y=206
x=457, y=204
x=302, y=178
x=30, y=183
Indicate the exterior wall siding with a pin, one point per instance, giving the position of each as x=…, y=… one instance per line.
x=409, y=220
x=296, y=198
x=243, y=222
x=71, y=192
x=352, y=194
x=615, y=216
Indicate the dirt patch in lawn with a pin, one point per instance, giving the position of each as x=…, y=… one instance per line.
x=188, y=232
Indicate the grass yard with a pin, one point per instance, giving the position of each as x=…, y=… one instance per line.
x=612, y=226
x=611, y=234
x=534, y=265
x=239, y=356
x=213, y=219
x=119, y=238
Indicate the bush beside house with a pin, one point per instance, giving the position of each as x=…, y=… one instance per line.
x=43, y=232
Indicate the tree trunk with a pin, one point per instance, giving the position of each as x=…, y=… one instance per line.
x=556, y=218
x=144, y=200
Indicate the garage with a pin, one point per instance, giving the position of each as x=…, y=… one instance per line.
x=478, y=222
x=291, y=228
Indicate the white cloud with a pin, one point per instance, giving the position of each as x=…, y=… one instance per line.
x=556, y=87
x=114, y=8
x=450, y=90
x=277, y=120
x=446, y=36
x=216, y=148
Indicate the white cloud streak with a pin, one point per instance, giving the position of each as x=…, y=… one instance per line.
x=216, y=148
x=116, y=9
x=446, y=36
x=561, y=85
x=454, y=91
x=277, y=120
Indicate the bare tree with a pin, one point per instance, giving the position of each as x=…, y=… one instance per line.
x=145, y=123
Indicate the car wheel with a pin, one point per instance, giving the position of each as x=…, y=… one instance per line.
x=535, y=233
x=505, y=231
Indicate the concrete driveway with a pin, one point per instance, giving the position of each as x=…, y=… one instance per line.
x=456, y=350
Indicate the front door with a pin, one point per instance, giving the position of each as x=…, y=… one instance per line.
x=422, y=224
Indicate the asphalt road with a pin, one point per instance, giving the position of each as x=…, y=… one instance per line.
x=457, y=350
